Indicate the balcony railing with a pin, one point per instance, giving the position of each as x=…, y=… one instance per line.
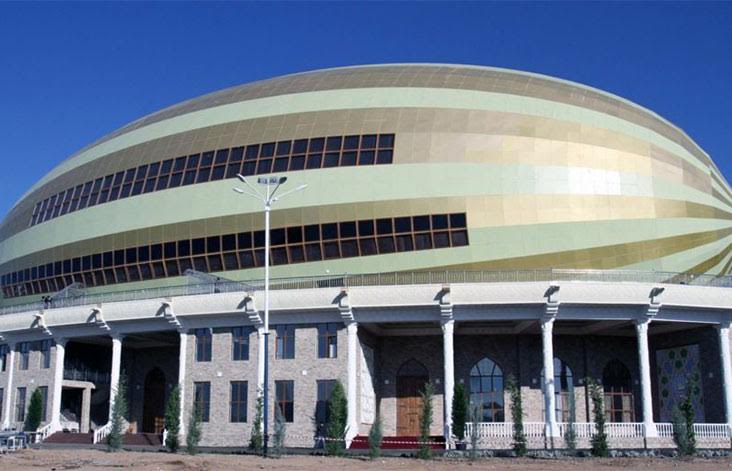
x=383, y=279
x=586, y=430
x=92, y=376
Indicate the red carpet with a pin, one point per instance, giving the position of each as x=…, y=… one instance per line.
x=361, y=442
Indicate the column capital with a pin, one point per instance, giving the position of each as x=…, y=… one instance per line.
x=444, y=298
x=250, y=309
x=119, y=336
x=724, y=324
x=169, y=314
x=60, y=341
x=447, y=326
x=352, y=327
x=343, y=300
x=641, y=324
x=97, y=317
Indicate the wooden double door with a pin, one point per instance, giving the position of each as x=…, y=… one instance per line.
x=409, y=404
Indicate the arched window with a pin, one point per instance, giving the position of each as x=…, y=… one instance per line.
x=563, y=386
x=486, y=391
x=618, y=387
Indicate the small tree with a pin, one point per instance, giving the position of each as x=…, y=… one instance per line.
x=474, y=418
x=684, y=434
x=337, y=421
x=194, y=429
x=570, y=435
x=256, y=439
x=280, y=431
x=599, y=438
x=172, y=420
x=425, y=422
x=35, y=412
x=376, y=436
x=119, y=412
x=459, y=411
x=517, y=416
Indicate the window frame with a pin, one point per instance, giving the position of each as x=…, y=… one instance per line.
x=238, y=402
x=285, y=399
x=204, y=344
x=285, y=341
x=328, y=340
x=202, y=398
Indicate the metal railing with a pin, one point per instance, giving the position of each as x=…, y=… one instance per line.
x=381, y=279
x=92, y=376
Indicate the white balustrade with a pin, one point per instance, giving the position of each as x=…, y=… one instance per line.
x=700, y=430
x=624, y=429
x=581, y=429
x=101, y=433
x=711, y=430
x=45, y=431
x=665, y=429
x=504, y=429
x=587, y=429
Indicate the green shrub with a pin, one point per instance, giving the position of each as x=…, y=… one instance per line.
x=684, y=434
x=193, y=437
x=172, y=420
x=425, y=422
x=517, y=416
x=599, y=438
x=119, y=412
x=376, y=436
x=459, y=411
x=337, y=421
x=35, y=412
x=256, y=440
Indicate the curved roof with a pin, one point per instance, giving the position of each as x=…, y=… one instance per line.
x=467, y=77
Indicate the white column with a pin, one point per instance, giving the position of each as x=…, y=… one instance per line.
x=9, y=386
x=726, y=360
x=85, y=410
x=352, y=329
x=448, y=368
x=547, y=327
x=641, y=328
x=182, y=357
x=58, y=380
x=116, y=370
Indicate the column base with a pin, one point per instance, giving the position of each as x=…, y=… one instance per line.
x=650, y=430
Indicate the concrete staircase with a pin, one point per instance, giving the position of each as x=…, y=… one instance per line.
x=151, y=440
x=69, y=438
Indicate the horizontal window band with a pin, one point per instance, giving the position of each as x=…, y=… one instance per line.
x=253, y=159
x=289, y=245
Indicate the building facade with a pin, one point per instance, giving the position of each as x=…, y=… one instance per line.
x=461, y=225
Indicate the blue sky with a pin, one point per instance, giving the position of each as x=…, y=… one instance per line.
x=72, y=72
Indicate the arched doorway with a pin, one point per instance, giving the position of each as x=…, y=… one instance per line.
x=153, y=409
x=411, y=378
x=617, y=385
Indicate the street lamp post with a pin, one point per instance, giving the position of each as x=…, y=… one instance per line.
x=272, y=184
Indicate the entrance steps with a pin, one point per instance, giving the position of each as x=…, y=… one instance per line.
x=142, y=439
x=361, y=442
x=70, y=438
x=129, y=439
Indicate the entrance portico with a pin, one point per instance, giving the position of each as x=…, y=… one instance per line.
x=394, y=338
